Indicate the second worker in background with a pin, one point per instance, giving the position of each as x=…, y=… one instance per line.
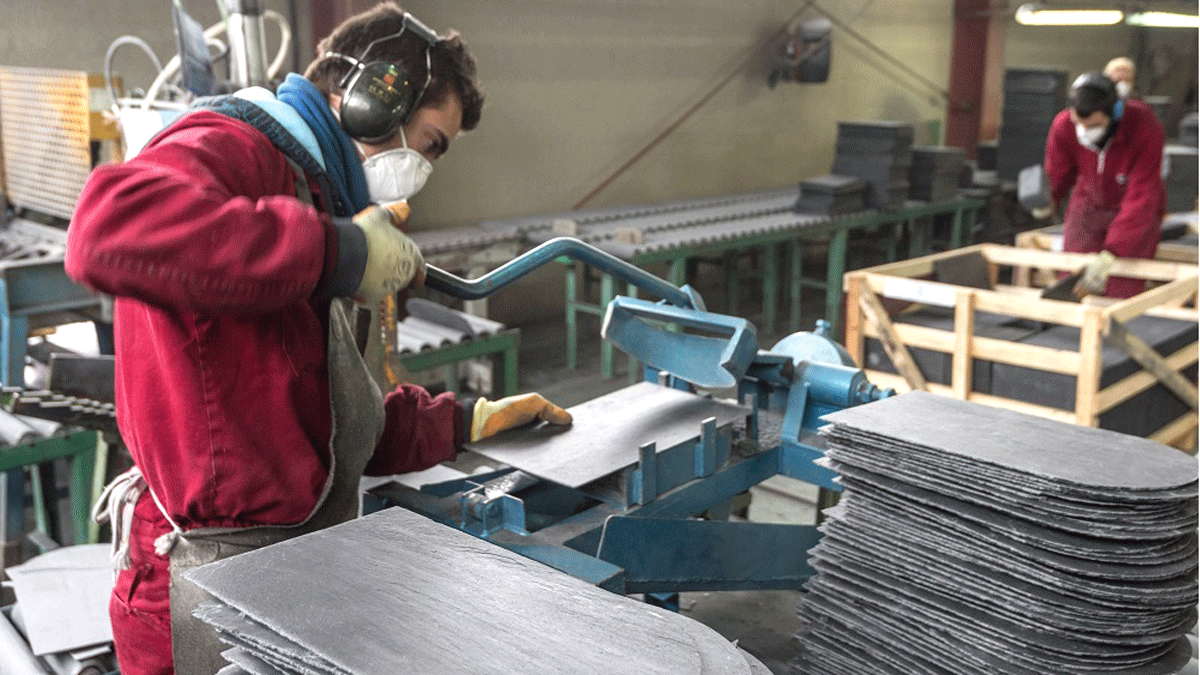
x=1107, y=153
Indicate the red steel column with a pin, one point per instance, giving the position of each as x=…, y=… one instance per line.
x=976, y=73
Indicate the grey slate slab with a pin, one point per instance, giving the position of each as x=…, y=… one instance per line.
x=607, y=433
x=408, y=595
x=1082, y=456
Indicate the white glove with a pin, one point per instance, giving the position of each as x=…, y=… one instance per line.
x=1095, y=275
x=1042, y=212
x=393, y=260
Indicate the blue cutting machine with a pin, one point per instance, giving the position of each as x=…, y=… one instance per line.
x=658, y=523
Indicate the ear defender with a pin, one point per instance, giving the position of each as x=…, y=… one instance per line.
x=379, y=97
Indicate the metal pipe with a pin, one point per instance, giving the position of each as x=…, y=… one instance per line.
x=247, y=44
x=440, y=280
x=16, y=658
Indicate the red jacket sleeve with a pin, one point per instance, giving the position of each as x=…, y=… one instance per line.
x=204, y=219
x=1135, y=232
x=420, y=431
x=1059, y=161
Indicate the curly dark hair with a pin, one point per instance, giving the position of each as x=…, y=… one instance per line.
x=450, y=60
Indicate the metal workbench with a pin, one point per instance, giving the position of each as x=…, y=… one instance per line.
x=676, y=246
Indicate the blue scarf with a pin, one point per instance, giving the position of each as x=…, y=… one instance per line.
x=341, y=159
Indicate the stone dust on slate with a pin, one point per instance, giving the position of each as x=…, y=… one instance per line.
x=971, y=539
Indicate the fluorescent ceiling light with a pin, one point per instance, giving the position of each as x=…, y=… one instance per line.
x=1163, y=20
x=1034, y=14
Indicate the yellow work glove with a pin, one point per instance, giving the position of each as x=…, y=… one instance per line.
x=1095, y=275
x=393, y=260
x=492, y=417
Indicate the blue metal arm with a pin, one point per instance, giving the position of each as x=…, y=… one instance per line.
x=440, y=280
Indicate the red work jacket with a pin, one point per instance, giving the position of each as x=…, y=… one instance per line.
x=1119, y=198
x=220, y=326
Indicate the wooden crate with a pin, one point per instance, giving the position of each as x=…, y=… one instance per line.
x=1050, y=239
x=876, y=295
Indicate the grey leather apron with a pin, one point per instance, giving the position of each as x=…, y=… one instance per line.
x=358, y=419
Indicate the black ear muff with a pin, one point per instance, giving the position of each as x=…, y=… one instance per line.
x=378, y=97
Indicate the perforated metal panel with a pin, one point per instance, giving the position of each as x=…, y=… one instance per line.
x=44, y=126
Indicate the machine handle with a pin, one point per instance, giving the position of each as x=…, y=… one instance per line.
x=441, y=280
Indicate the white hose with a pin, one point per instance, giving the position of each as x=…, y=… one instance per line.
x=285, y=41
x=210, y=33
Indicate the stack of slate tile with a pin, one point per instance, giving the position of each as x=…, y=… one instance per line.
x=971, y=539
x=832, y=195
x=1031, y=100
x=395, y=592
x=879, y=153
x=1183, y=177
x=935, y=173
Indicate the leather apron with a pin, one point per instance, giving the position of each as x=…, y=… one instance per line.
x=358, y=418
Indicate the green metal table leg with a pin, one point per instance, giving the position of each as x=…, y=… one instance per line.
x=606, y=347
x=957, y=236
x=770, y=288
x=98, y=480
x=510, y=369
x=971, y=216
x=795, y=292
x=677, y=273
x=833, y=277
x=571, y=317
x=12, y=513
x=83, y=470
x=732, y=282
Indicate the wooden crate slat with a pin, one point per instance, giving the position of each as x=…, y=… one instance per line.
x=1143, y=380
x=1093, y=317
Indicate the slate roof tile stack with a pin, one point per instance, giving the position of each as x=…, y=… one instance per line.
x=971, y=539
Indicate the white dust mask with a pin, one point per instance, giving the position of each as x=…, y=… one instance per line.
x=395, y=175
x=1090, y=136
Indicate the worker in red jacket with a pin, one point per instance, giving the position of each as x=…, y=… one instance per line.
x=234, y=243
x=1107, y=153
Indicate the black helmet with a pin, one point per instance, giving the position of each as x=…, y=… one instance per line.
x=1093, y=92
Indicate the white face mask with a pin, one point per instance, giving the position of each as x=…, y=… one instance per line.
x=1090, y=136
x=1123, y=88
x=396, y=175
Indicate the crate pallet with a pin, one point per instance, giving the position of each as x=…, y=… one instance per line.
x=878, y=296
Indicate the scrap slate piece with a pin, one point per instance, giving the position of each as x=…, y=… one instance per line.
x=63, y=597
x=607, y=432
x=395, y=592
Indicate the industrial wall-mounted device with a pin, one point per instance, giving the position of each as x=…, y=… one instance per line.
x=803, y=55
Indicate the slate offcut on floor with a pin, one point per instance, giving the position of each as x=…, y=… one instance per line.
x=971, y=539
